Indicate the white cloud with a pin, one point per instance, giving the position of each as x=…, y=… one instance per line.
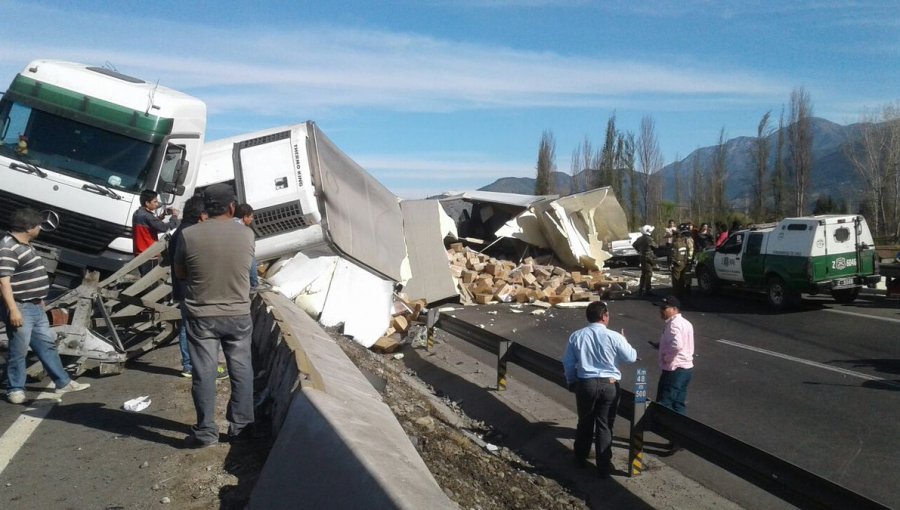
x=317, y=67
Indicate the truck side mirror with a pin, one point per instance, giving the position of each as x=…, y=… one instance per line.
x=173, y=189
x=181, y=172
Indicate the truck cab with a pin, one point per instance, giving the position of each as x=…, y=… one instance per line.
x=80, y=143
x=815, y=254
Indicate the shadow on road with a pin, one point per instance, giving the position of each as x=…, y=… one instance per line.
x=96, y=415
x=538, y=440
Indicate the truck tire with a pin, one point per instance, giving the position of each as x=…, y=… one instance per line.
x=706, y=280
x=779, y=296
x=845, y=296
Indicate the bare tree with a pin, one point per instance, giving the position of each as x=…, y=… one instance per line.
x=575, y=170
x=760, y=155
x=779, y=191
x=698, y=190
x=876, y=158
x=800, y=139
x=546, y=164
x=650, y=161
x=719, y=179
x=679, y=187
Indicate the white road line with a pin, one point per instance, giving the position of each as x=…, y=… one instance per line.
x=15, y=436
x=844, y=371
x=855, y=314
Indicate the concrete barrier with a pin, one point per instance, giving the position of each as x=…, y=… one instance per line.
x=337, y=444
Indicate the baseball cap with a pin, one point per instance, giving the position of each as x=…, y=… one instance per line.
x=218, y=195
x=668, y=302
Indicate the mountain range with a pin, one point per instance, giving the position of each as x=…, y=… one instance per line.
x=832, y=174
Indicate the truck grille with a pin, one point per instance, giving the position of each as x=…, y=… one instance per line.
x=76, y=231
x=279, y=219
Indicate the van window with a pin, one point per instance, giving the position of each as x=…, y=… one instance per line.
x=796, y=226
x=733, y=244
x=754, y=243
x=842, y=234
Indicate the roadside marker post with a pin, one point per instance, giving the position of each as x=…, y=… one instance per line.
x=636, y=446
x=432, y=318
x=502, y=349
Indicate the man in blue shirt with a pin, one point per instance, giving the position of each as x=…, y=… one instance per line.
x=590, y=364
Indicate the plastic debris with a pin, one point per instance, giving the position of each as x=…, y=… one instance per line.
x=399, y=355
x=137, y=404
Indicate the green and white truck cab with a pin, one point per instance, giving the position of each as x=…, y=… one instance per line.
x=812, y=254
x=80, y=143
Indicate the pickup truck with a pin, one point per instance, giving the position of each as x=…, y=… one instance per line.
x=811, y=254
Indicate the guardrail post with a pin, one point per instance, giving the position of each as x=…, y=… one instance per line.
x=433, y=314
x=636, y=443
x=502, y=349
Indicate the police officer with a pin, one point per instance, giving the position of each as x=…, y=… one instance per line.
x=682, y=260
x=645, y=245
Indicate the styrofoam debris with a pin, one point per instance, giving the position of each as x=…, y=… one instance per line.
x=137, y=404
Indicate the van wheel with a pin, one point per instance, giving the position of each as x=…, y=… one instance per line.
x=845, y=296
x=778, y=295
x=706, y=281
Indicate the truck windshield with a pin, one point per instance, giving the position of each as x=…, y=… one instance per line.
x=73, y=148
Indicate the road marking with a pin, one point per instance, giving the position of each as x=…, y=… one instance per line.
x=844, y=371
x=15, y=436
x=888, y=319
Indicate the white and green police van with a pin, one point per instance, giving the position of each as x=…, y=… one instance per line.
x=813, y=254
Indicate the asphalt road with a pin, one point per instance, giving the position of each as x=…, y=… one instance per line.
x=818, y=386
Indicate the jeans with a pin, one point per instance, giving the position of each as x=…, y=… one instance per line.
x=205, y=334
x=672, y=389
x=34, y=332
x=597, y=400
x=183, y=342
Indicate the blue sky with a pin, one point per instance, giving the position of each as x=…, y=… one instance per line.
x=438, y=95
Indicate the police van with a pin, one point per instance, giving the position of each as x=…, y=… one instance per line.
x=814, y=254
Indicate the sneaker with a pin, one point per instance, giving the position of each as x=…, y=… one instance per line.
x=187, y=373
x=73, y=386
x=221, y=373
x=16, y=397
x=192, y=442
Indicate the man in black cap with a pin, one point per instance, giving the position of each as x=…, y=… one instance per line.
x=214, y=258
x=676, y=355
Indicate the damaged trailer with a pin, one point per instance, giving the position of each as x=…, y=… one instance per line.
x=578, y=228
x=336, y=232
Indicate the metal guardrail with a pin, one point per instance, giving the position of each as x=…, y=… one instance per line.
x=773, y=474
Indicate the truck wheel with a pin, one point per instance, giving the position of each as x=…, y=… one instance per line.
x=778, y=295
x=706, y=281
x=845, y=296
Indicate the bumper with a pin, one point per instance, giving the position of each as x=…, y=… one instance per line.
x=848, y=282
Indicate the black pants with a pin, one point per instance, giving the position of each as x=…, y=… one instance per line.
x=597, y=401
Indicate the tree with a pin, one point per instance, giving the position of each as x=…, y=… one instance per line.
x=608, y=174
x=759, y=153
x=698, y=191
x=779, y=191
x=679, y=187
x=625, y=161
x=650, y=161
x=546, y=164
x=876, y=158
x=719, y=179
x=800, y=138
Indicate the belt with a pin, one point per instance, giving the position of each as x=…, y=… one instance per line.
x=610, y=380
x=30, y=301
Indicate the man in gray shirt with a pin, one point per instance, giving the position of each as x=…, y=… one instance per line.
x=214, y=259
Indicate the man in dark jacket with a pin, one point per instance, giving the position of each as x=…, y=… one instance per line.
x=146, y=226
